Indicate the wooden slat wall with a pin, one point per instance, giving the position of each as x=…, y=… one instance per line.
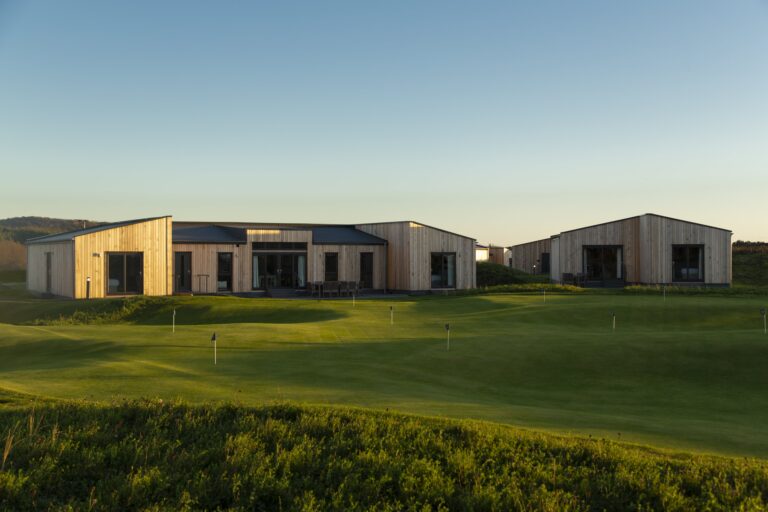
x=659, y=234
x=397, y=235
x=349, y=263
x=426, y=240
x=496, y=255
x=152, y=237
x=205, y=262
x=555, y=274
x=525, y=256
x=409, y=249
x=625, y=233
x=62, y=268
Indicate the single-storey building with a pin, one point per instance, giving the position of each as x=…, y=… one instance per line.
x=645, y=249
x=158, y=256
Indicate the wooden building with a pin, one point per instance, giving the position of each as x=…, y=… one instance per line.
x=132, y=257
x=161, y=257
x=646, y=249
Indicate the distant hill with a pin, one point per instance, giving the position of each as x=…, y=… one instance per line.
x=750, y=263
x=19, y=229
x=14, y=231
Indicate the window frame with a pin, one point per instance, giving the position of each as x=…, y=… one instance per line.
x=702, y=261
x=325, y=266
x=125, y=255
x=231, y=274
x=443, y=271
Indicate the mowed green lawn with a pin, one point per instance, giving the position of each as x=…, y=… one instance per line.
x=688, y=373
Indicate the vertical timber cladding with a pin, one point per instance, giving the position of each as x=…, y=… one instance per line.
x=204, y=262
x=659, y=234
x=62, y=268
x=555, y=274
x=151, y=237
x=349, y=262
x=623, y=232
x=409, y=249
x=397, y=264
x=426, y=240
x=525, y=256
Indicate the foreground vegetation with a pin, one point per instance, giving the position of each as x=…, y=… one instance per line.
x=155, y=455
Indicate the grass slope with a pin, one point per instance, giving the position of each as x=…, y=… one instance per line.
x=688, y=372
x=161, y=456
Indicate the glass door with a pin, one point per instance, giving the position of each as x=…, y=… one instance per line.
x=182, y=275
x=366, y=270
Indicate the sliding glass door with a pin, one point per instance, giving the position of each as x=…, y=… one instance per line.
x=125, y=273
x=279, y=270
x=603, y=264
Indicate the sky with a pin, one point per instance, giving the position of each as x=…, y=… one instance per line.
x=503, y=121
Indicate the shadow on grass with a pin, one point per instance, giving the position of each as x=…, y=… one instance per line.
x=205, y=313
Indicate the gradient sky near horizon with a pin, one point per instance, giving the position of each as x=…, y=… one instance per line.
x=504, y=121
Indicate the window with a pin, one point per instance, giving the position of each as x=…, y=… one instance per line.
x=125, y=273
x=224, y=272
x=279, y=246
x=688, y=263
x=544, y=263
x=603, y=263
x=331, y=266
x=443, y=269
x=366, y=270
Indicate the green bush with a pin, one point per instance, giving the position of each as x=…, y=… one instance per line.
x=171, y=456
x=493, y=274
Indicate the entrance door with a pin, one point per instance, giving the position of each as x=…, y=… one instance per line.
x=182, y=272
x=366, y=270
x=603, y=265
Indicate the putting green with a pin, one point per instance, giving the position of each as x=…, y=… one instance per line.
x=690, y=372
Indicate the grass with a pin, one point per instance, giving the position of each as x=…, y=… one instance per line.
x=750, y=268
x=686, y=373
x=129, y=455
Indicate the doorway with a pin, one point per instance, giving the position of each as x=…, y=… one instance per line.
x=366, y=270
x=182, y=272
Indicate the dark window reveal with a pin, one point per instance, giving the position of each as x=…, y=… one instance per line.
x=224, y=272
x=603, y=263
x=279, y=246
x=366, y=270
x=688, y=263
x=125, y=273
x=331, y=266
x=443, y=273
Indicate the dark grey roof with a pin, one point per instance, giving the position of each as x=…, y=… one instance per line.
x=209, y=235
x=343, y=235
x=70, y=235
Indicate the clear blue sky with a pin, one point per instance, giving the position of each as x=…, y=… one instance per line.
x=503, y=121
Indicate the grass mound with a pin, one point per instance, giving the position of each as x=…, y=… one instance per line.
x=493, y=274
x=157, y=455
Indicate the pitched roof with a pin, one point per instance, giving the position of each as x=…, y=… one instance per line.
x=343, y=235
x=209, y=234
x=70, y=235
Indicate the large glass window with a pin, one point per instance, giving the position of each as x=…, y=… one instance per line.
x=443, y=272
x=331, y=266
x=603, y=263
x=279, y=270
x=125, y=273
x=688, y=263
x=224, y=272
